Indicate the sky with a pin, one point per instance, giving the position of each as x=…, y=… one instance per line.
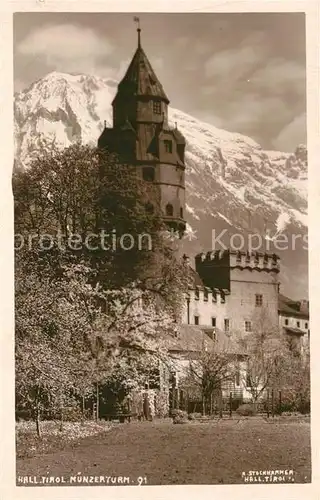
x=241, y=72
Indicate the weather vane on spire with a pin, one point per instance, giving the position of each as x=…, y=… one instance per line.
x=137, y=20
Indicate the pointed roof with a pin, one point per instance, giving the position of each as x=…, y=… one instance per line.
x=140, y=78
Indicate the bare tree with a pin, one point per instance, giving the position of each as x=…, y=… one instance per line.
x=265, y=351
x=211, y=370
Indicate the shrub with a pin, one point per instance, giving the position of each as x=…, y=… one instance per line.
x=179, y=413
x=180, y=420
x=194, y=416
x=179, y=416
x=290, y=414
x=246, y=410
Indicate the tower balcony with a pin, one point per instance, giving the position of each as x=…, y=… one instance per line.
x=175, y=223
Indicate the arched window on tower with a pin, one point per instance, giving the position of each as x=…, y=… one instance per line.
x=169, y=210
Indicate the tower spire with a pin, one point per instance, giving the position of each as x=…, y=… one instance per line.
x=137, y=20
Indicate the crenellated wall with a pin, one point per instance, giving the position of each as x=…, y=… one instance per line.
x=239, y=287
x=206, y=304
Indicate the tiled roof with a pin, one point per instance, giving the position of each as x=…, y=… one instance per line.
x=291, y=307
x=294, y=331
x=190, y=338
x=140, y=78
x=195, y=339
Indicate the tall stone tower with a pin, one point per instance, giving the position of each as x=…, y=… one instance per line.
x=141, y=137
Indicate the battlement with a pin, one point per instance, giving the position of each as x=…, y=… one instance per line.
x=232, y=259
x=206, y=294
x=215, y=268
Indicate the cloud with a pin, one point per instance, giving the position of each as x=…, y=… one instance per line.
x=19, y=84
x=280, y=76
x=232, y=63
x=292, y=134
x=256, y=94
x=66, y=47
x=236, y=62
x=181, y=42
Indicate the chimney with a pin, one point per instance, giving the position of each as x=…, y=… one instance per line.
x=304, y=306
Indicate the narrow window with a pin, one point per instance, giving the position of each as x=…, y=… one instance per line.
x=226, y=325
x=237, y=377
x=213, y=322
x=168, y=146
x=148, y=174
x=205, y=295
x=286, y=322
x=298, y=324
x=181, y=213
x=196, y=294
x=196, y=320
x=169, y=210
x=258, y=300
x=157, y=107
x=248, y=326
x=306, y=326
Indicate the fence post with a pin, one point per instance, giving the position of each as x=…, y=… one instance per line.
x=185, y=401
x=280, y=402
x=97, y=402
x=230, y=401
x=272, y=402
x=221, y=406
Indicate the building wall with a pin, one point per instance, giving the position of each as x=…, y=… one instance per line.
x=294, y=322
x=206, y=309
x=287, y=321
x=239, y=305
x=144, y=111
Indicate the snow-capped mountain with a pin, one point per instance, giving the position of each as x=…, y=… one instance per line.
x=232, y=184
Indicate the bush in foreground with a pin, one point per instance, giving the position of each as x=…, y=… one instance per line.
x=179, y=416
x=246, y=410
x=194, y=416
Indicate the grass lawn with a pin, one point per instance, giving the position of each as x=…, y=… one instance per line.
x=52, y=437
x=193, y=453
